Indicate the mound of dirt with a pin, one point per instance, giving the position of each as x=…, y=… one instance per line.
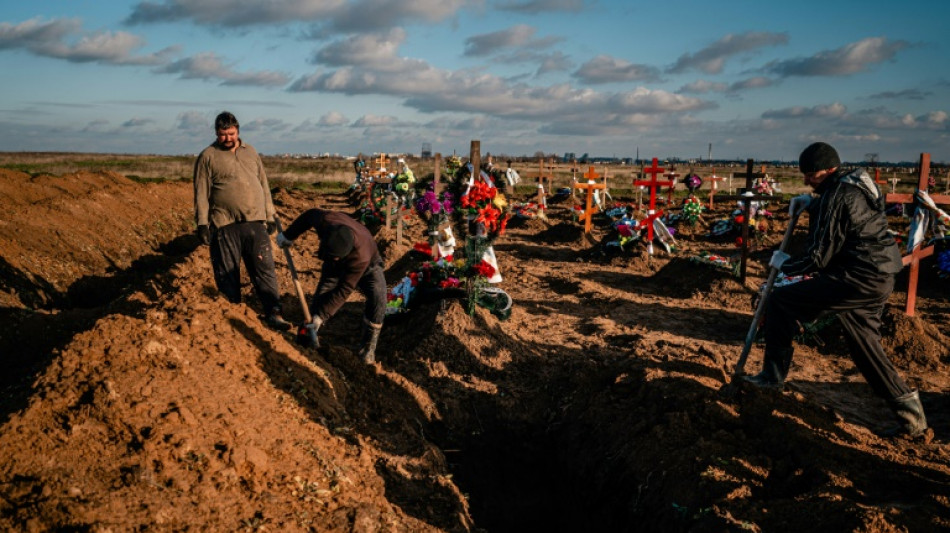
x=598, y=405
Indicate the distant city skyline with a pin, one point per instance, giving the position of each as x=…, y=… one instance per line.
x=603, y=77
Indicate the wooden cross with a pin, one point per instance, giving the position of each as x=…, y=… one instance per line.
x=653, y=184
x=574, y=171
x=475, y=158
x=714, y=187
x=606, y=189
x=920, y=251
x=747, y=200
x=378, y=175
x=437, y=185
x=671, y=176
x=542, y=178
x=590, y=186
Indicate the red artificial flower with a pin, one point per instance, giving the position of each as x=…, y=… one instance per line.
x=740, y=219
x=423, y=247
x=449, y=283
x=489, y=216
x=483, y=268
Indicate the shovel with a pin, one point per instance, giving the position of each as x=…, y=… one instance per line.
x=306, y=332
x=759, y=311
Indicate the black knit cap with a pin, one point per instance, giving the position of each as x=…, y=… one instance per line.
x=338, y=244
x=818, y=156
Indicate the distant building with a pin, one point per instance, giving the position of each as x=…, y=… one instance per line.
x=426, y=152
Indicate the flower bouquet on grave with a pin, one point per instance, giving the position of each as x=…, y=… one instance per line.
x=452, y=166
x=693, y=182
x=373, y=211
x=486, y=211
x=692, y=210
x=429, y=281
x=527, y=210
x=451, y=277
x=717, y=261
x=435, y=210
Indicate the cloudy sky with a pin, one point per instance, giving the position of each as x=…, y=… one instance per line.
x=604, y=77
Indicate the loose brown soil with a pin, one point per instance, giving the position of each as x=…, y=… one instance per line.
x=135, y=398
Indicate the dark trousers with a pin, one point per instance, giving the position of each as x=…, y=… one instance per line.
x=372, y=285
x=859, y=303
x=249, y=243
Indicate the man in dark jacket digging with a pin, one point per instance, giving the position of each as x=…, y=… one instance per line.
x=351, y=261
x=853, y=261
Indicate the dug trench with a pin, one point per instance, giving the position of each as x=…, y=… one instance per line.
x=595, y=407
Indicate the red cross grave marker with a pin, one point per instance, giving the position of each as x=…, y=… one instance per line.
x=653, y=184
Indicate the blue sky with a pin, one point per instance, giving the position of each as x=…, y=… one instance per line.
x=610, y=78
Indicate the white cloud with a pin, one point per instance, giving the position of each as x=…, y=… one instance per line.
x=137, y=122
x=703, y=87
x=606, y=69
x=194, y=121
x=540, y=6
x=208, y=66
x=515, y=37
x=712, y=58
x=333, y=118
x=849, y=59
x=329, y=16
x=231, y=12
x=369, y=50
x=820, y=111
x=49, y=39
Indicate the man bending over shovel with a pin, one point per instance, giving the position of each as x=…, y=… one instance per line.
x=351, y=261
x=853, y=260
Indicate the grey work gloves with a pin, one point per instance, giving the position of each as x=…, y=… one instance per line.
x=799, y=204
x=284, y=242
x=778, y=259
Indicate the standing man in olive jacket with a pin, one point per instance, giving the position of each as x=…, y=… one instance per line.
x=235, y=214
x=351, y=261
x=853, y=261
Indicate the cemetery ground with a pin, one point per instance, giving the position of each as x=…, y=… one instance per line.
x=135, y=398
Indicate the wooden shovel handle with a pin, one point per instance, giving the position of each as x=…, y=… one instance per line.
x=293, y=275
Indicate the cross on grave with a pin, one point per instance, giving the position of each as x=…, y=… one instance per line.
x=378, y=174
x=671, y=176
x=714, y=187
x=607, y=195
x=747, y=200
x=877, y=177
x=574, y=171
x=919, y=252
x=590, y=186
x=437, y=185
x=542, y=178
x=653, y=184
x=894, y=181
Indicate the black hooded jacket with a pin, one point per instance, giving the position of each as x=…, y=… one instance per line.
x=848, y=231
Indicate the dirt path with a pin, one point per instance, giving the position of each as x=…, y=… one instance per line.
x=135, y=398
